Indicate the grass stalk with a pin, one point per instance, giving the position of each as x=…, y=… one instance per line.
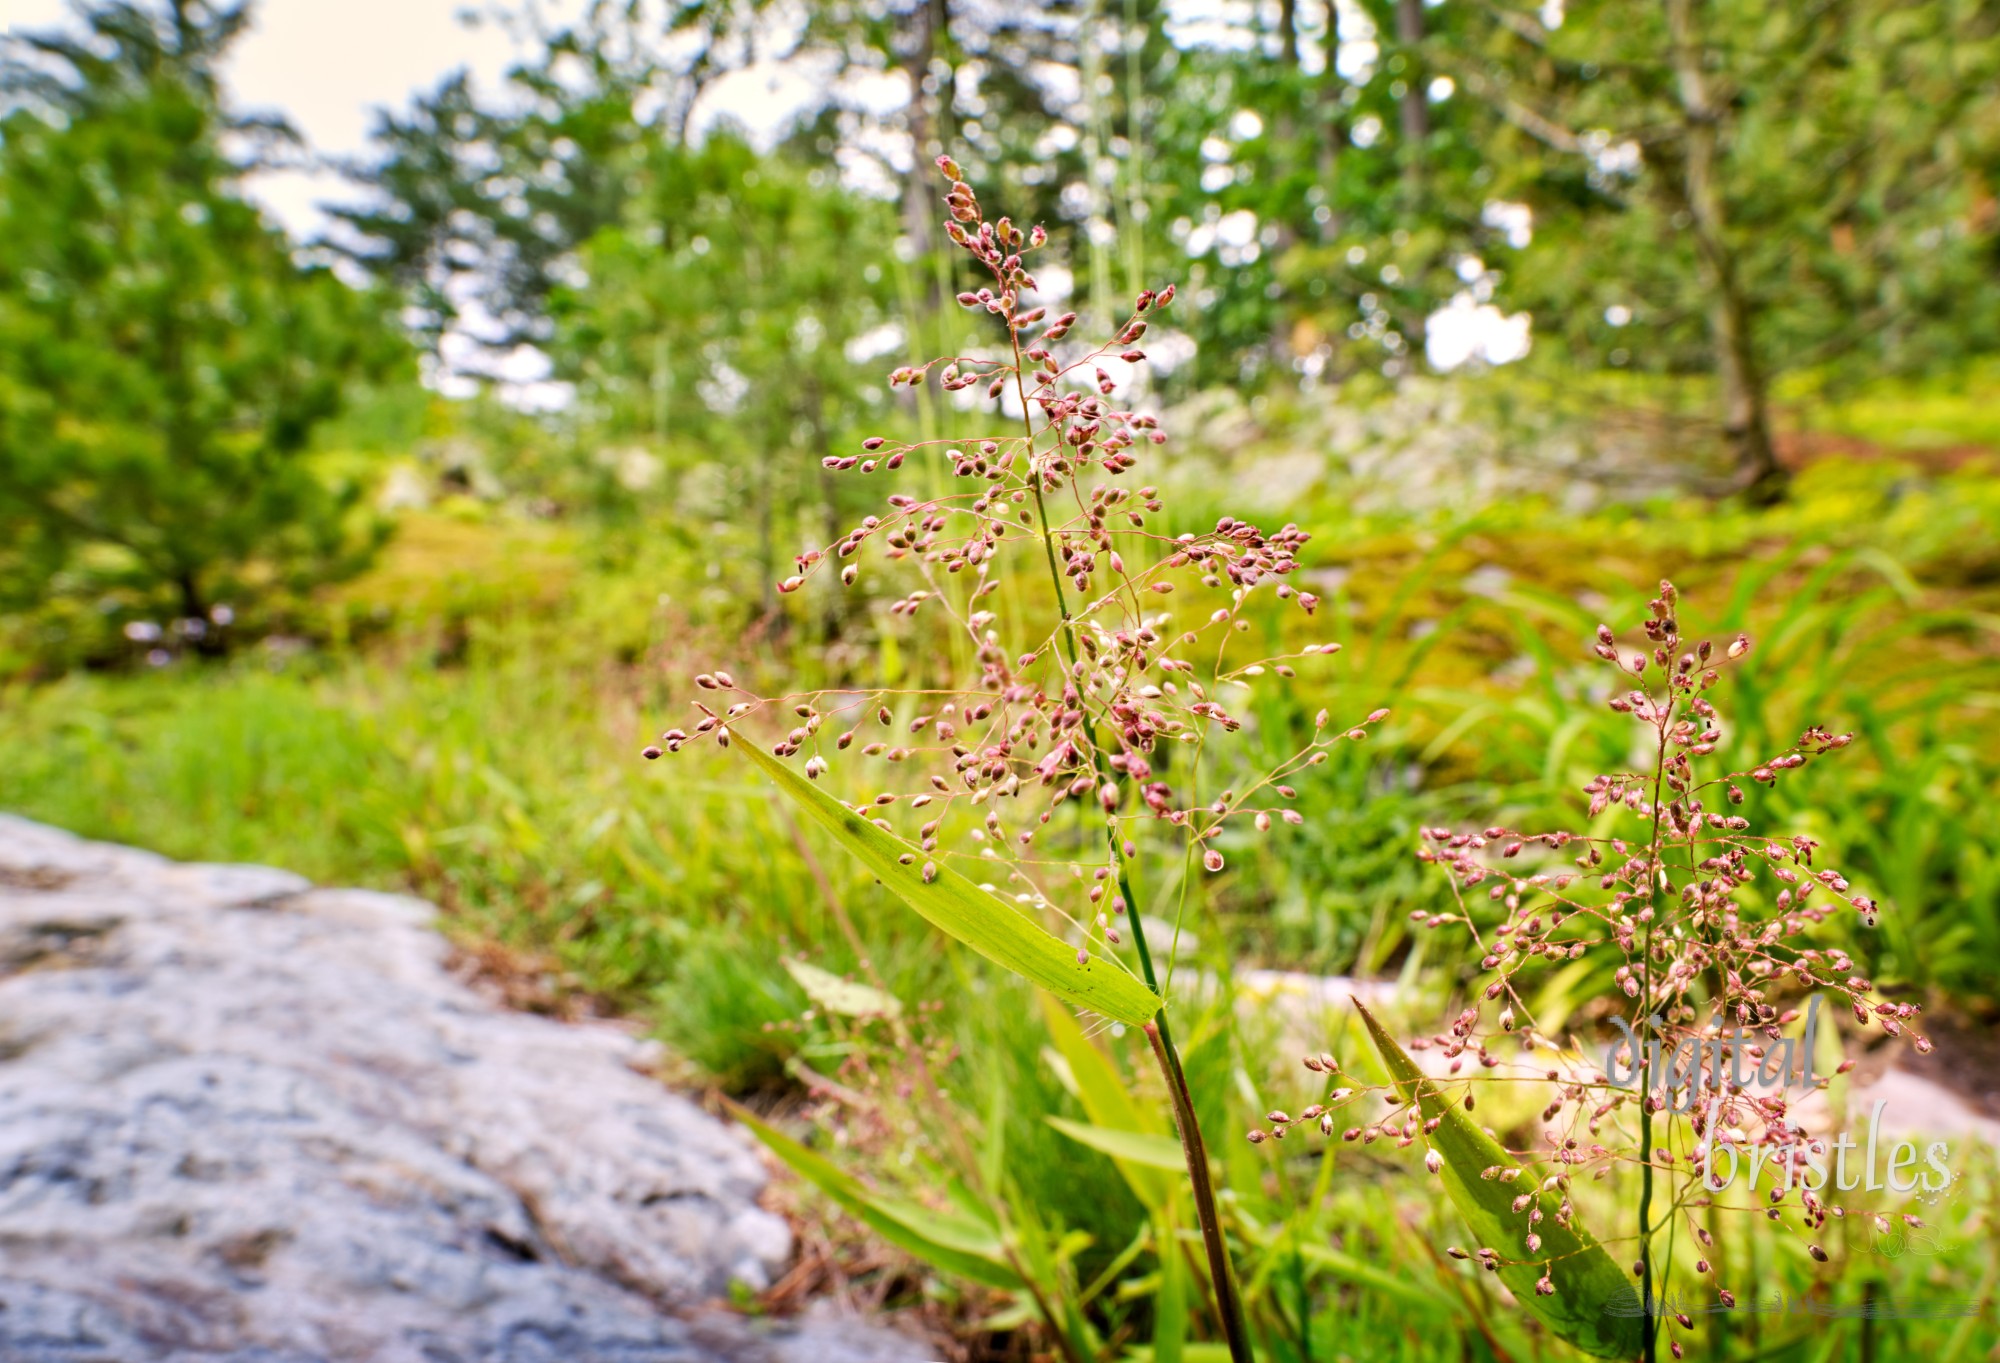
x=1227, y=1304
x=1158, y=1031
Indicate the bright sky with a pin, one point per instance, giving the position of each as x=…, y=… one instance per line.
x=326, y=64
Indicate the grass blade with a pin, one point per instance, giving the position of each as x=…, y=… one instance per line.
x=960, y=909
x=1110, y=1106
x=946, y=1243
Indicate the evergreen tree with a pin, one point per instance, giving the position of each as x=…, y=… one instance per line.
x=164, y=359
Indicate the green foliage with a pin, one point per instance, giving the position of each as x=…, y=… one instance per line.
x=713, y=328
x=1852, y=167
x=505, y=786
x=480, y=206
x=183, y=421
x=163, y=359
x=956, y=1244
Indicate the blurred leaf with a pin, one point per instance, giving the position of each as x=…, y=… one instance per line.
x=1364, y=1274
x=1170, y=1313
x=1127, y=1147
x=844, y=997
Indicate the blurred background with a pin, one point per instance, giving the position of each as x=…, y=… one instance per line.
x=398, y=405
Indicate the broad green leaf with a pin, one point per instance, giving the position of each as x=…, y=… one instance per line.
x=1109, y=1104
x=1592, y=1293
x=954, y=1244
x=1059, y=1066
x=1099, y=1086
x=1127, y=1147
x=844, y=997
x=1020, y=1314
x=960, y=909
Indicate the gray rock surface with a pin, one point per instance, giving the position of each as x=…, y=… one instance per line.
x=243, y=1118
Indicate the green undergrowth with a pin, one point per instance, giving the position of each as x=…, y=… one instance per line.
x=465, y=725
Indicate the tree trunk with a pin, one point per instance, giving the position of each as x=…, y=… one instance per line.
x=1284, y=157
x=1333, y=132
x=195, y=606
x=927, y=24
x=1415, y=107
x=192, y=606
x=1746, y=423
x=1288, y=64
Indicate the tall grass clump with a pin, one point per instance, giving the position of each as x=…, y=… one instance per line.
x=1721, y=935
x=1094, y=670
x=1091, y=695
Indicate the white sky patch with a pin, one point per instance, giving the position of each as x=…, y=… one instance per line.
x=1236, y=229
x=1612, y=156
x=763, y=100
x=1062, y=84
x=1357, y=52
x=875, y=342
x=325, y=65
x=520, y=376
x=1466, y=330
x=1055, y=139
x=724, y=389
x=876, y=93
x=1516, y=222
x=1230, y=234
x=1220, y=25
x=1167, y=351
x=866, y=174
x=1054, y=283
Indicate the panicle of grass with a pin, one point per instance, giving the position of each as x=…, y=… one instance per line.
x=1137, y=653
